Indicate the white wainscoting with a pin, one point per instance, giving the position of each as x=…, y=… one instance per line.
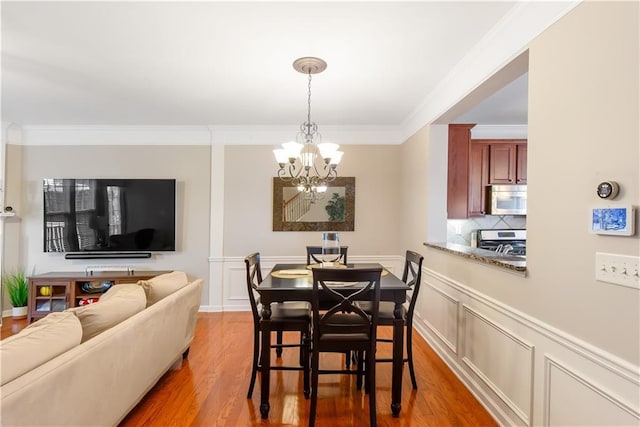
x=522, y=370
x=228, y=286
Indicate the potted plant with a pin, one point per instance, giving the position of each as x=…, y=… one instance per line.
x=18, y=288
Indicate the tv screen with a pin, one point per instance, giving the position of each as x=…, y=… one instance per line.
x=96, y=215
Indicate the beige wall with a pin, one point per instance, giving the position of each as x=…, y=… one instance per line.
x=189, y=165
x=415, y=179
x=583, y=129
x=248, y=203
x=13, y=253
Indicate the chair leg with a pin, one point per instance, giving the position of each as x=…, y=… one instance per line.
x=365, y=359
x=410, y=357
x=360, y=369
x=371, y=380
x=314, y=387
x=279, y=342
x=304, y=353
x=347, y=359
x=254, y=364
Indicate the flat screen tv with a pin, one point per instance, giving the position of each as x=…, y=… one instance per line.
x=109, y=215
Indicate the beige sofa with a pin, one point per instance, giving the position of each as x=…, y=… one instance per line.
x=99, y=367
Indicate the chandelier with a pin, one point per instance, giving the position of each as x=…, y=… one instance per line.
x=308, y=163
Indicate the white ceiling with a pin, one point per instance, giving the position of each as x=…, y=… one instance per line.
x=229, y=63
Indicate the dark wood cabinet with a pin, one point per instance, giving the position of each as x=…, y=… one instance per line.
x=50, y=292
x=474, y=164
x=521, y=163
x=458, y=171
x=507, y=162
x=478, y=178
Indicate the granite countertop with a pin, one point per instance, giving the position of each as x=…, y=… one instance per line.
x=510, y=262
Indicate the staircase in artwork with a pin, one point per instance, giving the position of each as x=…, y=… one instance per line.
x=295, y=208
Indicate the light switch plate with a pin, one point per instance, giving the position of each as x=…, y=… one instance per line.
x=618, y=269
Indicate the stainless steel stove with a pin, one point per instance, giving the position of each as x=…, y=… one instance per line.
x=497, y=240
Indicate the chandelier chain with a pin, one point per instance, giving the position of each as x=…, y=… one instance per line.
x=309, y=102
x=309, y=164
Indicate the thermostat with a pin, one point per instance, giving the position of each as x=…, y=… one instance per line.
x=607, y=190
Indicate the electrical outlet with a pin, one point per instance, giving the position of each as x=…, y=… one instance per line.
x=618, y=269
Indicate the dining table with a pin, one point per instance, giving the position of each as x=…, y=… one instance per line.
x=282, y=287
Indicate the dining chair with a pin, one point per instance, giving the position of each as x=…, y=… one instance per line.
x=411, y=275
x=314, y=254
x=287, y=316
x=339, y=325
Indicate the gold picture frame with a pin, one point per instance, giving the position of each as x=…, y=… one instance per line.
x=334, y=212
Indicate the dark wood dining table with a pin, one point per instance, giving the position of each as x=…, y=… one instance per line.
x=296, y=288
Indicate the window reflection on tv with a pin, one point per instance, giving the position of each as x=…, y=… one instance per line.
x=109, y=215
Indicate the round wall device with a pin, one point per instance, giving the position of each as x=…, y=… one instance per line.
x=607, y=190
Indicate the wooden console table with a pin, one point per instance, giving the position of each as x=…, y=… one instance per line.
x=57, y=291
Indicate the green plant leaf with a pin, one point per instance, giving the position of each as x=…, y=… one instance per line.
x=18, y=288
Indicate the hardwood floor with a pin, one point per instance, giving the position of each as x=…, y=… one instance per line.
x=211, y=386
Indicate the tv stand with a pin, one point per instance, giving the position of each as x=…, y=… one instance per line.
x=106, y=255
x=58, y=291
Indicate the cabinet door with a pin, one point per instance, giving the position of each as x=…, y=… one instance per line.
x=458, y=171
x=47, y=296
x=478, y=178
x=502, y=164
x=521, y=164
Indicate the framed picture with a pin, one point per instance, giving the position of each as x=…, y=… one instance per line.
x=334, y=212
x=613, y=220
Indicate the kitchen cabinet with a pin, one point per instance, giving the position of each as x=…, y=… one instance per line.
x=521, y=163
x=507, y=161
x=458, y=171
x=474, y=164
x=478, y=178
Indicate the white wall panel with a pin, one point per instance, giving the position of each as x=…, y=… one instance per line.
x=574, y=400
x=511, y=362
x=500, y=359
x=441, y=315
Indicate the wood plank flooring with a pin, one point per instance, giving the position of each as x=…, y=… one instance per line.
x=211, y=386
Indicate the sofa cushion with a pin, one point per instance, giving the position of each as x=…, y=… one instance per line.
x=160, y=286
x=38, y=343
x=117, y=304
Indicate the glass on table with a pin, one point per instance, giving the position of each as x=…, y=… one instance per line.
x=330, y=249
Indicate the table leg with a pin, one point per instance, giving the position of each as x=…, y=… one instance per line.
x=265, y=328
x=398, y=350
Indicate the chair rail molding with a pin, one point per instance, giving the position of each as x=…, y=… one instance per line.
x=546, y=364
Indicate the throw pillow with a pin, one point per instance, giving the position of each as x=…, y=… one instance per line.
x=160, y=286
x=38, y=343
x=110, y=310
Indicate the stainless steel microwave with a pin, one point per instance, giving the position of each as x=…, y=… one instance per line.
x=508, y=200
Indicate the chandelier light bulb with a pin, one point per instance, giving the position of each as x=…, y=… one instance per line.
x=308, y=155
x=292, y=149
x=336, y=157
x=327, y=149
x=281, y=155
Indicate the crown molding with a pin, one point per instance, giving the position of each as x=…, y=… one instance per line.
x=508, y=39
x=116, y=135
x=200, y=135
